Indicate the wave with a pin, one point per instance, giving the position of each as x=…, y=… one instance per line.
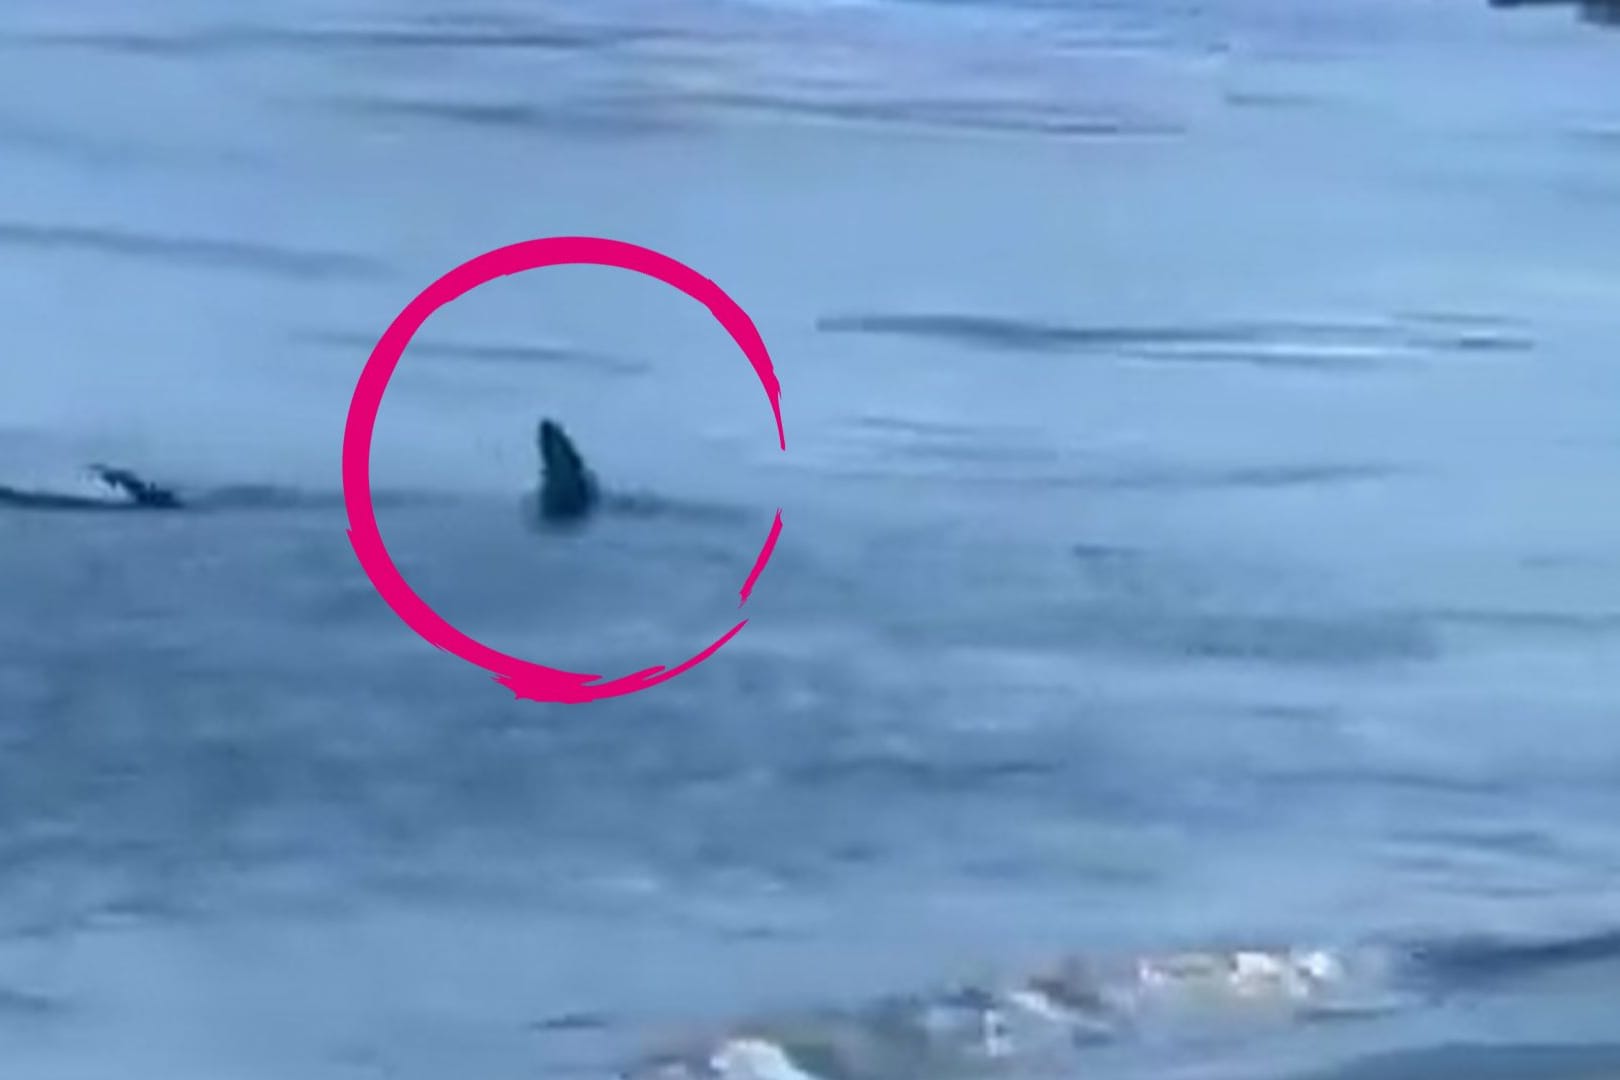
x=1168, y=478
x=1465, y=961
x=559, y=115
x=423, y=36
x=980, y=114
x=20, y=1003
x=1281, y=344
x=1047, y=1021
x=252, y=496
x=1587, y=1061
x=275, y=497
x=235, y=254
x=232, y=497
x=485, y=353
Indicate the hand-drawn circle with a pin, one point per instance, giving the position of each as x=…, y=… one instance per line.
x=526, y=679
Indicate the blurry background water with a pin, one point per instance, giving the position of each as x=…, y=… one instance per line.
x=1199, y=524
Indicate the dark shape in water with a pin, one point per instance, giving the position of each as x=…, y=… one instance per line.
x=568, y=491
x=1598, y=12
x=139, y=491
x=134, y=494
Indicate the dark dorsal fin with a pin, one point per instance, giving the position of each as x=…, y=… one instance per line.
x=567, y=488
x=138, y=490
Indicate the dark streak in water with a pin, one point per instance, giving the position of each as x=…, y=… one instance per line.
x=1273, y=344
x=267, y=38
x=1267, y=476
x=1558, y=622
x=932, y=439
x=1270, y=99
x=1304, y=639
x=1473, y=319
x=930, y=428
x=965, y=443
x=1316, y=779
x=1102, y=553
x=27, y=135
x=1155, y=479
x=484, y=353
x=1494, y=1061
x=1525, y=843
x=982, y=115
x=649, y=505
x=1596, y=12
x=1021, y=334
x=594, y=118
x=1606, y=137
x=1471, y=960
x=19, y=1004
x=241, y=254
x=982, y=452
x=571, y=1022
x=1271, y=358
x=1243, y=476
x=272, y=497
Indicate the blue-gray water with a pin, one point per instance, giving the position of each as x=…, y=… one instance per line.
x=1200, y=536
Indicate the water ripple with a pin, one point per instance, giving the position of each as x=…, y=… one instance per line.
x=1292, y=344
x=234, y=254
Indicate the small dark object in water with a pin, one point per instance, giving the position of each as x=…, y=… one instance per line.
x=126, y=492
x=567, y=489
x=140, y=492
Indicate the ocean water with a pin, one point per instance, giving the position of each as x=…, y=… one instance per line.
x=1193, y=647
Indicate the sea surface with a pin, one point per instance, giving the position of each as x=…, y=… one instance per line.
x=1193, y=646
